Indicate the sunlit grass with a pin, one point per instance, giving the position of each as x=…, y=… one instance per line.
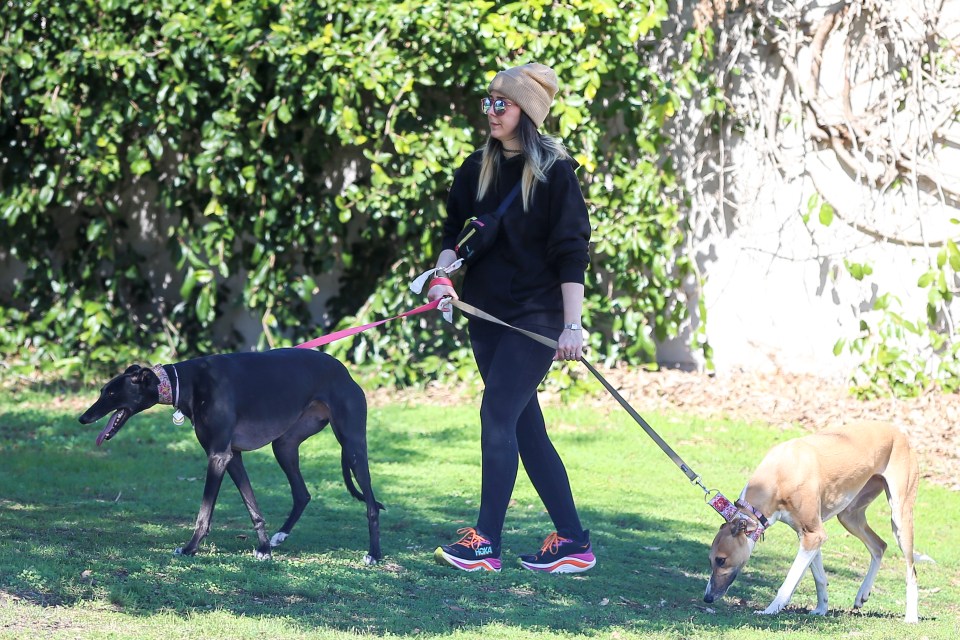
x=87, y=535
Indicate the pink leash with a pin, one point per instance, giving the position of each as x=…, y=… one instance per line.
x=343, y=333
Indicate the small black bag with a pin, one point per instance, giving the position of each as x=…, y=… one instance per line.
x=480, y=232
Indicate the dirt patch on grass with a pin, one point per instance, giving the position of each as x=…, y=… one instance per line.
x=932, y=420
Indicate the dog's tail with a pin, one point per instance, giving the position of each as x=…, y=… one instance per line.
x=348, y=480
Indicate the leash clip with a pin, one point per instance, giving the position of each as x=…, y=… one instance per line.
x=698, y=481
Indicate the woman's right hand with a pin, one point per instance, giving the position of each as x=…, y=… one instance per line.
x=441, y=286
x=441, y=291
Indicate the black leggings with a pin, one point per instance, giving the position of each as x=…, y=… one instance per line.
x=512, y=367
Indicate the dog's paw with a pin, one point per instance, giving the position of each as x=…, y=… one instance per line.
x=819, y=611
x=262, y=555
x=773, y=609
x=369, y=560
x=277, y=538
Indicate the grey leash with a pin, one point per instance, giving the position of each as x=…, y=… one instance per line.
x=677, y=460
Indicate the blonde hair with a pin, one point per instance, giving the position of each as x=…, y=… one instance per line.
x=540, y=152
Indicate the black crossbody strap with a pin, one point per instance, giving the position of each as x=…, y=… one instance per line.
x=506, y=201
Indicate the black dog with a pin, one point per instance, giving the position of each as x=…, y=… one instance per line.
x=243, y=401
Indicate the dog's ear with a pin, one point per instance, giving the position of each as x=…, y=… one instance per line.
x=145, y=377
x=131, y=369
x=740, y=527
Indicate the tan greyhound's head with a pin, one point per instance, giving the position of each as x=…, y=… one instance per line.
x=729, y=553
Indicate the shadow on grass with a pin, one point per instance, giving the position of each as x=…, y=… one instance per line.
x=98, y=525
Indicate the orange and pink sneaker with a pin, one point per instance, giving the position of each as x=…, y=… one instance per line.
x=473, y=552
x=561, y=555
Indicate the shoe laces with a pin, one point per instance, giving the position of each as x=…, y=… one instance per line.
x=553, y=542
x=471, y=538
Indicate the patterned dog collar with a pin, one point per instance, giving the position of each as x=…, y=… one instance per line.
x=164, y=389
x=762, y=522
x=732, y=511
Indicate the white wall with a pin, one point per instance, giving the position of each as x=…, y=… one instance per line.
x=776, y=290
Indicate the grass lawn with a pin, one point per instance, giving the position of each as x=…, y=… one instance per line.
x=87, y=533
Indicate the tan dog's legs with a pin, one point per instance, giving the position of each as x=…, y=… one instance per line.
x=902, y=494
x=820, y=578
x=854, y=520
x=900, y=485
x=910, y=614
x=810, y=544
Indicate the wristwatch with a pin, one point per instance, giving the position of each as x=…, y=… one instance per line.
x=573, y=326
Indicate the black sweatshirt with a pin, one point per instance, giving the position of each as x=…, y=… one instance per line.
x=518, y=280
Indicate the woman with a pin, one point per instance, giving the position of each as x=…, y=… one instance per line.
x=532, y=278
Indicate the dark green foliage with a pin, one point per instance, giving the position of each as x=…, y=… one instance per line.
x=170, y=166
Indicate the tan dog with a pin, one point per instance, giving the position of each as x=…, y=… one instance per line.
x=806, y=481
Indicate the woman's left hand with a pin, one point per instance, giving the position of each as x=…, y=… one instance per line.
x=569, y=345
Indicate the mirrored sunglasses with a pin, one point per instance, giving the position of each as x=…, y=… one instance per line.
x=499, y=105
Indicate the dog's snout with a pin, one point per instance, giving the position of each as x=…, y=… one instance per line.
x=92, y=414
x=708, y=596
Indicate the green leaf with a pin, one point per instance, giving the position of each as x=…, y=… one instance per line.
x=95, y=229
x=23, y=60
x=140, y=166
x=826, y=214
x=155, y=146
x=838, y=346
x=954, y=254
x=189, y=282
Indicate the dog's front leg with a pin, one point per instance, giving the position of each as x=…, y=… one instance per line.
x=820, y=578
x=216, y=466
x=240, y=478
x=801, y=562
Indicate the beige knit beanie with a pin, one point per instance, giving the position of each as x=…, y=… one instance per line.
x=530, y=86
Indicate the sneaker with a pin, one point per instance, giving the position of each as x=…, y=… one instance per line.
x=473, y=552
x=561, y=555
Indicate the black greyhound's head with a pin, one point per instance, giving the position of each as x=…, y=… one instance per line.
x=126, y=395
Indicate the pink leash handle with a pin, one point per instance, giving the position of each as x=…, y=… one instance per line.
x=343, y=333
